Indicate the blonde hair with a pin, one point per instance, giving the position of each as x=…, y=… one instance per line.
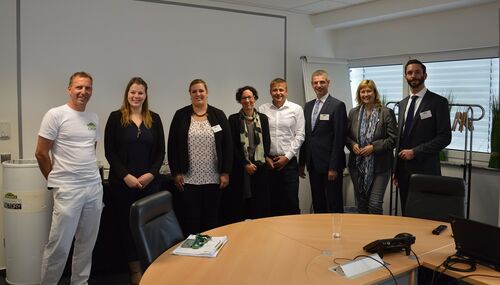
x=369, y=84
x=320, y=72
x=278, y=81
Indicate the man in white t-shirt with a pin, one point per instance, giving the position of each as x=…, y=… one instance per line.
x=66, y=156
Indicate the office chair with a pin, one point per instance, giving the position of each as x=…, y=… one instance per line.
x=435, y=197
x=154, y=226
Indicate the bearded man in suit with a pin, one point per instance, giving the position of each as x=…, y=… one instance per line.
x=423, y=130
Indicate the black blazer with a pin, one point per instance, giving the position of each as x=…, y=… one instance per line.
x=325, y=144
x=115, y=146
x=178, y=156
x=384, y=138
x=428, y=136
x=234, y=123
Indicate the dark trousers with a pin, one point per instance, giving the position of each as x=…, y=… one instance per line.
x=201, y=207
x=234, y=206
x=257, y=206
x=403, y=177
x=284, y=189
x=326, y=195
x=124, y=197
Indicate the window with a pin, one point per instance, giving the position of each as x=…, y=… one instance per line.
x=473, y=81
x=467, y=82
x=389, y=81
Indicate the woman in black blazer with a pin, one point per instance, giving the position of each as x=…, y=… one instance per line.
x=134, y=145
x=248, y=193
x=371, y=139
x=200, y=156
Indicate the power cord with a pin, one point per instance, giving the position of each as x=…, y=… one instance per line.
x=475, y=275
x=448, y=264
x=456, y=259
x=340, y=258
x=437, y=270
x=416, y=257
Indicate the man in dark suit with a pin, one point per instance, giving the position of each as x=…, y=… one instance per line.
x=323, y=148
x=423, y=130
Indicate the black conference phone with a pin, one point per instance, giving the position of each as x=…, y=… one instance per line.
x=402, y=241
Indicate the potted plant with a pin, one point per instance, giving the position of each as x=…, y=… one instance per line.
x=495, y=134
x=448, y=94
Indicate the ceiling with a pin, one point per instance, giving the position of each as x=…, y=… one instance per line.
x=298, y=6
x=337, y=14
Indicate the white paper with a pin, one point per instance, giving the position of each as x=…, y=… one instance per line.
x=363, y=265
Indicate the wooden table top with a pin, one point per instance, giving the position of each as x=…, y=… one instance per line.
x=298, y=249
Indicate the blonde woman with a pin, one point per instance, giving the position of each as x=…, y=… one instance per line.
x=371, y=139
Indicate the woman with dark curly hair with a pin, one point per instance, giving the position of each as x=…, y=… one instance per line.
x=248, y=196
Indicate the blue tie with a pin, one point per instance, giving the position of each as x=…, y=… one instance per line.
x=408, y=121
x=315, y=114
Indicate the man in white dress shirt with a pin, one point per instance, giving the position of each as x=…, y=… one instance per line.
x=286, y=127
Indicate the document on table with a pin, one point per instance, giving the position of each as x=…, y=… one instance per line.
x=209, y=249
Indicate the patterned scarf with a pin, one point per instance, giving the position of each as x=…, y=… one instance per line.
x=257, y=133
x=365, y=165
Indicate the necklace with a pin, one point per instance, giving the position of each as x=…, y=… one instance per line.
x=199, y=115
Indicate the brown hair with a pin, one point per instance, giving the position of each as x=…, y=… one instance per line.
x=125, y=108
x=79, y=74
x=197, y=81
x=240, y=91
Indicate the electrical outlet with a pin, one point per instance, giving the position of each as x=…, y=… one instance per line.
x=4, y=130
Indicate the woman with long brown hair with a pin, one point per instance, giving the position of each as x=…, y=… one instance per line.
x=134, y=144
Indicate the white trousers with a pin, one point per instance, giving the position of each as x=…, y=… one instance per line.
x=77, y=213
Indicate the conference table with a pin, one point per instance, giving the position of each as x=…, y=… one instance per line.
x=299, y=249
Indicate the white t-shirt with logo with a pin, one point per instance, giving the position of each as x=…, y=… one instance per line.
x=73, y=152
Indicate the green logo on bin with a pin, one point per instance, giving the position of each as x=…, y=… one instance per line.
x=10, y=196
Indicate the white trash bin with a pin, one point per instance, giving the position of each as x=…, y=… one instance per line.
x=27, y=206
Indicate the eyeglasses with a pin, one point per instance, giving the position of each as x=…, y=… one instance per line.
x=247, y=98
x=138, y=132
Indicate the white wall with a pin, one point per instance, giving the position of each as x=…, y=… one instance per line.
x=302, y=39
x=458, y=29
x=485, y=193
x=8, y=91
x=8, y=77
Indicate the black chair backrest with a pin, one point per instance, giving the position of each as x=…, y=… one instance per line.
x=154, y=226
x=435, y=197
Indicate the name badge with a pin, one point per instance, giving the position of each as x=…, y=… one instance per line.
x=216, y=128
x=324, y=117
x=426, y=114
